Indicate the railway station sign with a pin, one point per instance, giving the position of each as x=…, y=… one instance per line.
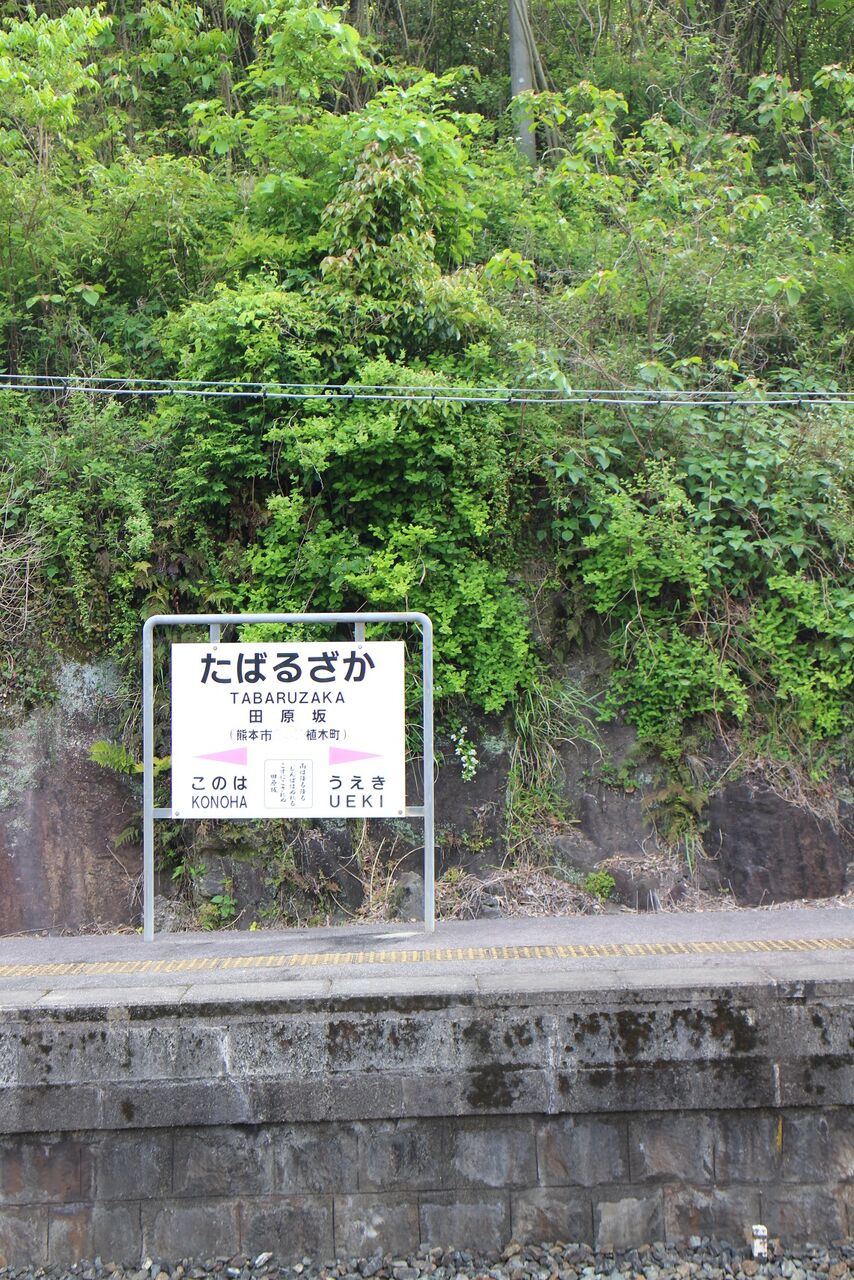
x=314, y=730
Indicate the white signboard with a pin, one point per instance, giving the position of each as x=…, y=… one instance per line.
x=288, y=730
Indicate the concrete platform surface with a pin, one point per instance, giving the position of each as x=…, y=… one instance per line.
x=603, y=952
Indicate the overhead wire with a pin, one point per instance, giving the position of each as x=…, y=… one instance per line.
x=129, y=380
x=637, y=397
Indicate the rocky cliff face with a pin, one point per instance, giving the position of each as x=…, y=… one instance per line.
x=769, y=850
x=63, y=865
x=67, y=862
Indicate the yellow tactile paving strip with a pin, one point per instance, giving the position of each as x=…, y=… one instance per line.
x=324, y=959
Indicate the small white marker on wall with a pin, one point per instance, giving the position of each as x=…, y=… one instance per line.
x=760, y=1241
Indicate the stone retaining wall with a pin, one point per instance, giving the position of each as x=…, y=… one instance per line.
x=346, y=1126
x=350, y=1189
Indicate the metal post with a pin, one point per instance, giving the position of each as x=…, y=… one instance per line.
x=148, y=781
x=427, y=775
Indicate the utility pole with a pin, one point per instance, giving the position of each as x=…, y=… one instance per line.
x=522, y=74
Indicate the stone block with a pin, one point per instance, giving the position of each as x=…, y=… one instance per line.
x=810, y=1213
x=628, y=1220
x=132, y=1166
x=668, y=1086
x=190, y=1228
x=813, y=1028
x=410, y=985
x=219, y=1162
x=69, y=1234
x=478, y=1220
x=489, y=1091
x=271, y=992
x=289, y=1100
x=318, y=1158
x=402, y=1154
x=509, y=1038
x=57, y=1053
x=164, y=1050
x=118, y=1004
x=582, y=1151
x=39, y=1171
x=366, y=1095
x=274, y=1047
x=590, y=1037
x=818, y=1147
x=153, y=1105
x=551, y=1213
x=23, y=1235
x=290, y=1227
x=494, y=1152
x=117, y=1232
x=9, y=1072
x=707, y=1029
x=748, y=1146
x=367, y=1224
x=672, y=1147
x=700, y=1211
x=393, y=1042
x=51, y=1109
x=824, y=1080
x=359, y=1096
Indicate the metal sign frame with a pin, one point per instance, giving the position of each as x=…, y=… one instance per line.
x=215, y=622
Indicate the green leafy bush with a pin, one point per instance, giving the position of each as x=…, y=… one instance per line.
x=404, y=506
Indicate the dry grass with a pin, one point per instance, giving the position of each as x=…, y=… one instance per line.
x=513, y=891
x=20, y=555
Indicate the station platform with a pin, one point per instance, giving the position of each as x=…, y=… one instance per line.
x=620, y=951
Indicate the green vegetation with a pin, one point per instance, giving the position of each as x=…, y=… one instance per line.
x=218, y=911
x=600, y=884
x=291, y=192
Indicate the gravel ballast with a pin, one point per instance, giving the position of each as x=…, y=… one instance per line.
x=705, y=1259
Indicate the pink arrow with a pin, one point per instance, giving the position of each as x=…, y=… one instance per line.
x=340, y=755
x=235, y=756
